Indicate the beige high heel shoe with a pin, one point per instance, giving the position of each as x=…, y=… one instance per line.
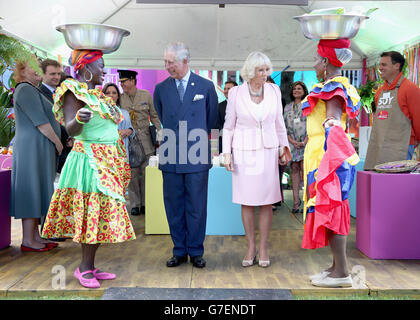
x=264, y=263
x=249, y=263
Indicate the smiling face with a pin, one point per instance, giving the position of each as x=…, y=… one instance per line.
x=298, y=91
x=52, y=76
x=175, y=68
x=128, y=86
x=388, y=70
x=97, y=70
x=112, y=92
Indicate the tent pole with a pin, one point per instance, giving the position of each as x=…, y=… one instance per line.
x=115, y=12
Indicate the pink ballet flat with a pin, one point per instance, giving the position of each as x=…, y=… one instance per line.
x=103, y=275
x=87, y=283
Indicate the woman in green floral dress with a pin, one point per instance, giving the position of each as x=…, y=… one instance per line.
x=89, y=203
x=296, y=133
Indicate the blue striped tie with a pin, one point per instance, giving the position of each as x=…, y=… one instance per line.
x=181, y=90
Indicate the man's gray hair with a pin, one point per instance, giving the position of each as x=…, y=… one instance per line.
x=255, y=59
x=180, y=49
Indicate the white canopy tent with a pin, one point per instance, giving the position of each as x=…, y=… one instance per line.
x=219, y=38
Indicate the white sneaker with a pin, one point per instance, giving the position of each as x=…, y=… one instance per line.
x=320, y=275
x=329, y=282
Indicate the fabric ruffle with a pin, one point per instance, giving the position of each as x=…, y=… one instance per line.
x=333, y=183
x=94, y=98
x=338, y=86
x=88, y=218
x=105, y=167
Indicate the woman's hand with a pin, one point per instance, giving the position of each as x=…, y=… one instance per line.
x=59, y=147
x=300, y=145
x=84, y=115
x=125, y=133
x=227, y=161
x=284, y=156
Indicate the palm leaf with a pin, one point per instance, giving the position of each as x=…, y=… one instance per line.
x=7, y=126
x=11, y=51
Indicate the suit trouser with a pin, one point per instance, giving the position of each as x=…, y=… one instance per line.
x=185, y=198
x=136, y=187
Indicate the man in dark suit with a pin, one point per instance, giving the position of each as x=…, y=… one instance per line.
x=187, y=107
x=50, y=79
x=222, y=111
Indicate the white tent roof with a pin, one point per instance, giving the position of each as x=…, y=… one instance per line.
x=219, y=38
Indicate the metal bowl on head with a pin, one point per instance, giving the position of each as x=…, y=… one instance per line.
x=85, y=36
x=330, y=26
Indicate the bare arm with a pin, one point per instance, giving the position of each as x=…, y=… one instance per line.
x=334, y=112
x=71, y=107
x=48, y=131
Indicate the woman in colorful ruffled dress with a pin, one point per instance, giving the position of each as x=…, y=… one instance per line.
x=329, y=160
x=89, y=203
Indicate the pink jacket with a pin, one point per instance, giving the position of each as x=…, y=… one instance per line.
x=243, y=131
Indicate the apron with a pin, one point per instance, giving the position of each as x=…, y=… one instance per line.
x=391, y=131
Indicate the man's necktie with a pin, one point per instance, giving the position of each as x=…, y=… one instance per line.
x=181, y=90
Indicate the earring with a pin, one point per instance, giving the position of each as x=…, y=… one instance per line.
x=91, y=76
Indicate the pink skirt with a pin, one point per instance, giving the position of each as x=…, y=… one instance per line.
x=255, y=177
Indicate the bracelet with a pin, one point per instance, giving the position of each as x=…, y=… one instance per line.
x=78, y=120
x=328, y=119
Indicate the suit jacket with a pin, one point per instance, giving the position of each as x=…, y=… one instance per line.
x=221, y=115
x=142, y=112
x=64, y=135
x=183, y=144
x=46, y=92
x=243, y=131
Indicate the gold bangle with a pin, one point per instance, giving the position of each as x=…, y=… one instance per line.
x=78, y=120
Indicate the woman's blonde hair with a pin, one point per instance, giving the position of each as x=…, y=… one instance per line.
x=255, y=59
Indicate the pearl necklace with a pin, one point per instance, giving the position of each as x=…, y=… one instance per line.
x=256, y=94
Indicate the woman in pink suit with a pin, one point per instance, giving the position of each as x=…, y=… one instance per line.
x=254, y=142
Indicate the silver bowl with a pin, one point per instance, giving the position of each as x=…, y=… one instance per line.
x=330, y=26
x=93, y=36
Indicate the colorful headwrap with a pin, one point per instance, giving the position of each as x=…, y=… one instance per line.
x=326, y=49
x=80, y=58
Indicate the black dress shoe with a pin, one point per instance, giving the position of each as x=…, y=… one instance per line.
x=175, y=261
x=142, y=210
x=135, y=211
x=198, y=262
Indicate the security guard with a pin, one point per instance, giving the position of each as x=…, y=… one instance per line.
x=139, y=104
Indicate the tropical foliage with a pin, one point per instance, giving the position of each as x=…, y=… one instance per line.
x=11, y=51
x=367, y=95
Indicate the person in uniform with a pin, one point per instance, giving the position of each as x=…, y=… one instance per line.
x=139, y=104
x=396, y=125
